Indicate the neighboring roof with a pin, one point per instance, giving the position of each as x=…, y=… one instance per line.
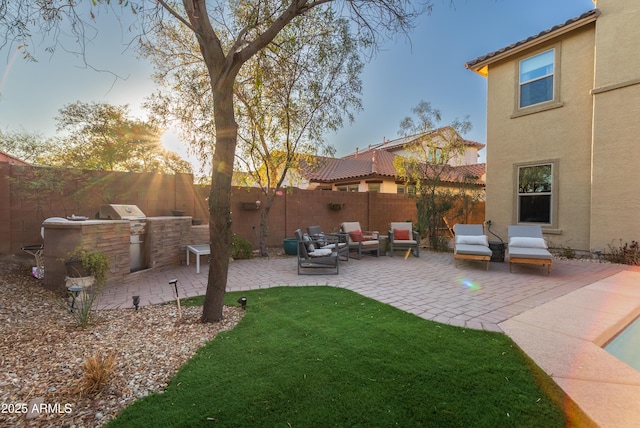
x=465, y=173
x=6, y=157
x=379, y=163
x=372, y=163
x=480, y=64
x=399, y=143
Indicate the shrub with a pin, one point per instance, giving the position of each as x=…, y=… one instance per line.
x=95, y=262
x=240, y=248
x=628, y=254
x=96, y=373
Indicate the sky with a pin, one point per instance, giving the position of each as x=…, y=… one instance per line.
x=429, y=66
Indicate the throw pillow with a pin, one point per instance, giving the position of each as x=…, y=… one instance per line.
x=401, y=234
x=525, y=242
x=472, y=240
x=356, y=236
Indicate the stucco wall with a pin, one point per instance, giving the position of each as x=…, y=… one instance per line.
x=616, y=130
x=561, y=134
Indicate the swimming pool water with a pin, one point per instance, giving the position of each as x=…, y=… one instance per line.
x=626, y=345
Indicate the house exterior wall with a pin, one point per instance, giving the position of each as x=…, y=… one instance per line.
x=616, y=97
x=561, y=135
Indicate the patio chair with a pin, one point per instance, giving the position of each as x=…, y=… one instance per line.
x=471, y=243
x=317, y=261
x=403, y=237
x=360, y=241
x=332, y=241
x=526, y=245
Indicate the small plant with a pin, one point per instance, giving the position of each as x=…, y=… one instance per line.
x=566, y=252
x=96, y=373
x=240, y=248
x=441, y=244
x=95, y=262
x=82, y=310
x=628, y=254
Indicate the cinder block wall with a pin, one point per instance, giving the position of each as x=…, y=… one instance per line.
x=157, y=195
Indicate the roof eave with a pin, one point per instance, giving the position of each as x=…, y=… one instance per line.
x=482, y=67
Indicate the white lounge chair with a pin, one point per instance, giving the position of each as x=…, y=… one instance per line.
x=471, y=243
x=526, y=245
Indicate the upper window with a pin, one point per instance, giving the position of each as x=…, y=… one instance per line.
x=537, y=78
x=535, y=193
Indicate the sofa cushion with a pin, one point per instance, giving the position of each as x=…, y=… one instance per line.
x=320, y=252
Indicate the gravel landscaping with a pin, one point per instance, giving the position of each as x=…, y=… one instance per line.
x=43, y=352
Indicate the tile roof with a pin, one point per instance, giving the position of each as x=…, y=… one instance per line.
x=399, y=143
x=465, y=173
x=6, y=157
x=373, y=163
x=585, y=18
x=379, y=163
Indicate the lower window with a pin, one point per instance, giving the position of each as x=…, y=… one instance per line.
x=535, y=193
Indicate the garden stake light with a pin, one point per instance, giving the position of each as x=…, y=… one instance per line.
x=174, y=282
x=136, y=302
x=74, y=290
x=243, y=302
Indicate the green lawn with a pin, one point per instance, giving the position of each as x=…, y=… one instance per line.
x=323, y=356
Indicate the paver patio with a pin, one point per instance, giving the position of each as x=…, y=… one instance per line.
x=429, y=286
x=524, y=304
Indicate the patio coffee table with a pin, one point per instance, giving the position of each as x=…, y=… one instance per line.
x=198, y=250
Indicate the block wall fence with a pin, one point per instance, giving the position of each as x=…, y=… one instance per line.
x=70, y=192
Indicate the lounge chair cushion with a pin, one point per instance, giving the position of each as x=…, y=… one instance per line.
x=472, y=240
x=529, y=253
x=473, y=249
x=524, y=242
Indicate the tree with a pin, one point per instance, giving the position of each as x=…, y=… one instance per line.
x=287, y=95
x=101, y=136
x=428, y=165
x=27, y=146
x=252, y=27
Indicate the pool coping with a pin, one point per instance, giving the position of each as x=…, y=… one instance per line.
x=565, y=338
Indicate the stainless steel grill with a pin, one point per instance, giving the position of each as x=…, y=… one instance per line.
x=138, y=229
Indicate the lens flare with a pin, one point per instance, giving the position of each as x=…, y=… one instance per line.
x=468, y=283
x=5, y=75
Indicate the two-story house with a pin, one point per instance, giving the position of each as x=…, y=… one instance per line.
x=563, y=129
x=372, y=169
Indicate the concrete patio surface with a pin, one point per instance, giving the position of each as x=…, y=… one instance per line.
x=561, y=320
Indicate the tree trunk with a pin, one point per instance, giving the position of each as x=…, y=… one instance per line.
x=264, y=215
x=220, y=201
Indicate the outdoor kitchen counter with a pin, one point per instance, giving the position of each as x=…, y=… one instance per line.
x=62, y=237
